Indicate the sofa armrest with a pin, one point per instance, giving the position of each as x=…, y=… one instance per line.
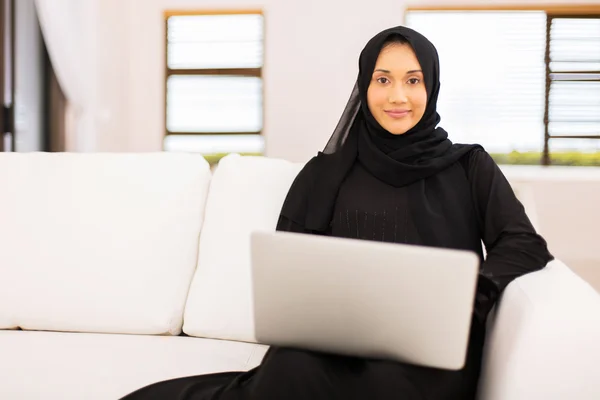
x=544, y=342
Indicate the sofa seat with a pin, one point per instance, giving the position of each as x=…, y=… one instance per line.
x=52, y=365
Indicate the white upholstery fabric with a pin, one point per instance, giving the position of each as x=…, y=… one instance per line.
x=99, y=242
x=109, y=243
x=545, y=342
x=246, y=194
x=77, y=366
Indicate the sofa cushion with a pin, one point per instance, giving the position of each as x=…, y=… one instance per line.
x=99, y=242
x=246, y=194
x=75, y=366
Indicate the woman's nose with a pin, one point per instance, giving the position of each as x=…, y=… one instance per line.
x=397, y=94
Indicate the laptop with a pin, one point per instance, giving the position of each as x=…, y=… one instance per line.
x=361, y=298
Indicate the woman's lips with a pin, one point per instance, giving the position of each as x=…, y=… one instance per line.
x=397, y=113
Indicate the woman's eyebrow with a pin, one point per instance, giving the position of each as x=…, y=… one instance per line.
x=385, y=71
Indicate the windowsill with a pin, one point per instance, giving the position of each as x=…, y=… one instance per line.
x=551, y=173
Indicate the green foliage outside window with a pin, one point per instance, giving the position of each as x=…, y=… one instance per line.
x=569, y=158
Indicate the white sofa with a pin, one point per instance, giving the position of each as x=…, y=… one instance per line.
x=105, y=259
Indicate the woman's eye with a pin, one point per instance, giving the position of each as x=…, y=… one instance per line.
x=383, y=80
x=414, y=81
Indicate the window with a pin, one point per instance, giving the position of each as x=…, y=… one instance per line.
x=214, y=86
x=523, y=83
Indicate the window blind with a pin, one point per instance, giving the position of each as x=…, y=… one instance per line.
x=214, y=90
x=493, y=75
x=207, y=103
x=574, y=96
x=215, y=41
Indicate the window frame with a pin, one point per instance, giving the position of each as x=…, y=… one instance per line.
x=552, y=12
x=547, y=136
x=234, y=72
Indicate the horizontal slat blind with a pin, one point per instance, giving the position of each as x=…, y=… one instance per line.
x=215, y=144
x=492, y=75
x=214, y=88
x=214, y=104
x=574, y=101
x=215, y=41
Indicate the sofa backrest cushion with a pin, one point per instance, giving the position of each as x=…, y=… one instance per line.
x=246, y=194
x=103, y=243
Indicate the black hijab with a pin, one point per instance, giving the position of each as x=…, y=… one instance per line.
x=397, y=160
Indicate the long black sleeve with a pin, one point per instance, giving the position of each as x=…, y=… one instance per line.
x=286, y=225
x=512, y=244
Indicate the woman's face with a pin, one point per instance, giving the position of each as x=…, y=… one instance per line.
x=397, y=96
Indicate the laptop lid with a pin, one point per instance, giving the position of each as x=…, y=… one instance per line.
x=361, y=298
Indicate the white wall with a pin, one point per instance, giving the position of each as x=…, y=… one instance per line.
x=312, y=49
x=565, y=202
x=486, y=3
x=570, y=222
x=311, y=59
x=114, y=56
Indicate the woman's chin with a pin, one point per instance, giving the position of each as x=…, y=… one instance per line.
x=401, y=129
x=396, y=130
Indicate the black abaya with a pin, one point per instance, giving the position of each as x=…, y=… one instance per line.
x=416, y=188
x=373, y=210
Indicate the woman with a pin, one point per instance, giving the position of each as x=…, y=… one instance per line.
x=390, y=174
